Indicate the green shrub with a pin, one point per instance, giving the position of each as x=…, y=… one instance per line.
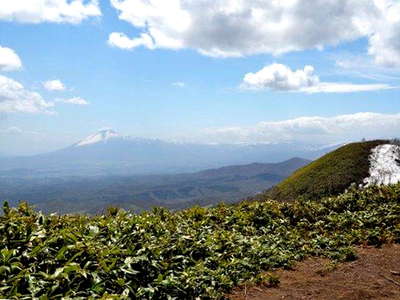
x=198, y=252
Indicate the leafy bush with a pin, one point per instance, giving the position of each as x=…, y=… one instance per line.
x=195, y=253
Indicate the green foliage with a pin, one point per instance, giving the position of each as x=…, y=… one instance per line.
x=330, y=175
x=196, y=253
x=112, y=211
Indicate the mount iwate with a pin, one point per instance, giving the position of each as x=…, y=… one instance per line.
x=109, y=153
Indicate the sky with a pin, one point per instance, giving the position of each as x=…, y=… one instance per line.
x=206, y=71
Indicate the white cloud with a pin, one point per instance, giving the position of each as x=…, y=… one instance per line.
x=239, y=27
x=229, y=28
x=311, y=130
x=363, y=66
x=10, y=131
x=54, y=85
x=9, y=60
x=282, y=78
x=279, y=77
x=333, y=87
x=179, y=84
x=58, y=11
x=385, y=39
x=74, y=100
x=14, y=98
x=120, y=40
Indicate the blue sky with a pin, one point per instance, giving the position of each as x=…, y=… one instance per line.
x=189, y=82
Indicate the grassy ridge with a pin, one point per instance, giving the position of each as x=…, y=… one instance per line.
x=327, y=176
x=197, y=252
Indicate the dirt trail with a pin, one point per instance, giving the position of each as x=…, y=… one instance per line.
x=374, y=275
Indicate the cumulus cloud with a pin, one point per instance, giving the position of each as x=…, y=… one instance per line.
x=229, y=28
x=384, y=43
x=58, y=11
x=14, y=98
x=237, y=27
x=54, y=85
x=9, y=60
x=120, y=40
x=74, y=100
x=279, y=77
x=312, y=130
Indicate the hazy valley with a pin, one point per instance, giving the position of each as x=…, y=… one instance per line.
x=137, y=193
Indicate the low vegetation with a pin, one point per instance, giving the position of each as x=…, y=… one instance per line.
x=191, y=254
x=330, y=175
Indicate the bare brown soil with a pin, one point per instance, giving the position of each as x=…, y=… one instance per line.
x=374, y=275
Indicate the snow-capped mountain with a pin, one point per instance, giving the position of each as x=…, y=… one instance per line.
x=108, y=153
x=100, y=137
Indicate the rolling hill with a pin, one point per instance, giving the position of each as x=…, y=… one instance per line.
x=329, y=175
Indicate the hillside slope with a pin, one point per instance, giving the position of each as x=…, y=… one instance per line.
x=328, y=175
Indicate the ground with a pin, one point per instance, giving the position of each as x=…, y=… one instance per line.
x=374, y=275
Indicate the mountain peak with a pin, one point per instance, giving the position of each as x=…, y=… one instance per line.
x=102, y=135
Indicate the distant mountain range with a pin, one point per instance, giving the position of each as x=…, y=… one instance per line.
x=108, y=153
x=95, y=194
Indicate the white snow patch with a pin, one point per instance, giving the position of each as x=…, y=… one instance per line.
x=384, y=165
x=101, y=136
